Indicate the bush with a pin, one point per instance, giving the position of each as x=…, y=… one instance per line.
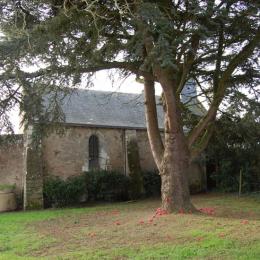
x=227, y=177
x=107, y=186
x=60, y=193
x=152, y=184
x=96, y=185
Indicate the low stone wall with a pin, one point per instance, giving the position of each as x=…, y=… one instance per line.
x=11, y=162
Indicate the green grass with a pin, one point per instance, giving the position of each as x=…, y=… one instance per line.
x=114, y=231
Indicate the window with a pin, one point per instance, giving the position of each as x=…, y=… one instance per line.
x=93, y=153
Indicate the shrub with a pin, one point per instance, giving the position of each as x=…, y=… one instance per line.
x=60, y=193
x=107, y=186
x=152, y=184
x=97, y=185
x=227, y=176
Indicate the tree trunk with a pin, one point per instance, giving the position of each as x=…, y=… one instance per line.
x=172, y=159
x=174, y=175
x=176, y=158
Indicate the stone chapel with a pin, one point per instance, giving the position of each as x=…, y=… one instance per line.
x=98, y=126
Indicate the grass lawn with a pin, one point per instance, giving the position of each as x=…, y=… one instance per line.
x=129, y=231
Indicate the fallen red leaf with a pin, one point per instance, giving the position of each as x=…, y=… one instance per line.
x=160, y=212
x=209, y=211
x=181, y=211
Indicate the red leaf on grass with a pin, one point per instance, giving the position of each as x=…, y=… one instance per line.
x=208, y=211
x=160, y=212
x=181, y=211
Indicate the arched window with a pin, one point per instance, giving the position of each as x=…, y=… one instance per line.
x=93, y=152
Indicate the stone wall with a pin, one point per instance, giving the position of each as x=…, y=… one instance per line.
x=67, y=155
x=11, y=163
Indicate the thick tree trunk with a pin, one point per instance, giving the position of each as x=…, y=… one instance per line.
x=173, y=160
x=176, y=159
x=174, y=175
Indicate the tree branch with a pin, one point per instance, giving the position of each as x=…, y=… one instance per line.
x=152, y=122
x=132, y=67
x=196, y=151
x=219, y=57
x=222, y=86
x=188, y=63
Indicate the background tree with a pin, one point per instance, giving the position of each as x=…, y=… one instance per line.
x=66, y=41
x=235, y=148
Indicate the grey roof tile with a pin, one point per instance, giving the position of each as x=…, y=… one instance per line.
x=108, y=109
x=115, y=109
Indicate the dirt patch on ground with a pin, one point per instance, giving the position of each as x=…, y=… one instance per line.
x=108, y=229
x=136, y=225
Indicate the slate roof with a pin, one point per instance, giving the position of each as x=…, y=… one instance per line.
x=107, y=109
x=113, y=109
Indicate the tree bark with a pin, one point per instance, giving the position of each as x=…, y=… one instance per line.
x=175, y=161
x=175, y=164
x=174, y=176
x=153, y=131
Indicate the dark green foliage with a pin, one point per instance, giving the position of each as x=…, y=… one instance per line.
x=135, y=173
x=152, y=184
x=60, y=193
x=227, y=176
x=8, y=140
x=94, y=186
x=234, y=148
x=68, y=41
x=107, y=186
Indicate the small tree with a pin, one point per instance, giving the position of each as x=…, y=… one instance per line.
x=215, y=42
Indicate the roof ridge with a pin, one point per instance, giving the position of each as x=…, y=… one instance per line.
x=108, y=92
